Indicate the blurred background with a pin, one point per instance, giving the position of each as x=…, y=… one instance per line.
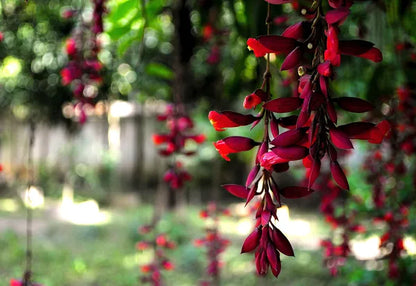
x=97, y=175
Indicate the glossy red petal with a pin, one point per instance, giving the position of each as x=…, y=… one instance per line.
x=340, y=139
x=251, y=242
x=324, y=86
x=332, y=47
x=251, y=194
x=314, y=173
x=306, y=90
x=291, y=152
x=292, y=60
x=357, y=130
x=325, y=69
x=302, y=119
x=331, y=111
x=294, y=32
x=354, y=47
x=227, y=119
x=282, y=105
x=276, y=271
x=274, y=126
x=379, y=132
x=354, y=104
x=240, y=143
x=272, y=256
x=258, y=49
x=264, y=147
x=265, y=217
x=252, y=175
x=269, y=159
x=338, y=175
x=277, y=44
x=307, y=161
x=288, y=138
x=237, y=190
x=281, y=242
x=288, y=122
x=234, y=144
x=251, y=101
x=360, y=48
x=337, y=15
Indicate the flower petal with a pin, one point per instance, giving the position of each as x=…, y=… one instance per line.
x=295, y=192
x=357, y=130
x=292, y=60
x=237, y=190
x=282, y=105
x=263, y=45
x=272, y=256
x=226, y=119
x=295, y=31
x=360, y=48
x=338, y=175
x=340, y=139
x=354, y=104
x=251, y=242
x=281, y=242
x=291, y=152
x=337, y=15
x=288, y=138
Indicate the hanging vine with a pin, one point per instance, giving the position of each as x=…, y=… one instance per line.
x=312, y=49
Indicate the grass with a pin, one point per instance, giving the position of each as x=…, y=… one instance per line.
x=104, y=255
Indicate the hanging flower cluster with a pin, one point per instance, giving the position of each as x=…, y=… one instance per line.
x=83, y=71
x=387, y=174
x=174, y=143
x=343, y=224
x=213, y=241
x=212, y=36
x=152, y=272
x=313, y=50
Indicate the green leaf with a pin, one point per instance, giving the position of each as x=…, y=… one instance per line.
x=159, y=70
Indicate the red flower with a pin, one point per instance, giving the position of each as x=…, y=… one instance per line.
x=71, y=47
x=207, y=32
x=271, y=44
x=168, y=265
x=226, y=119
x=142, y=245
x=234, y=144
x=251, y=101
x=332, y=51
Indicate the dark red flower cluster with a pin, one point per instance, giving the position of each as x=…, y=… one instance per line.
x=392, y=240
x=387, y=171
x=97, y=16
x=152, y=272
x=213, y=241
x=211, y=34
x=343, y=223
x=83, y=71
x=174, y=143
x=313, y=50
x=317, y=120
